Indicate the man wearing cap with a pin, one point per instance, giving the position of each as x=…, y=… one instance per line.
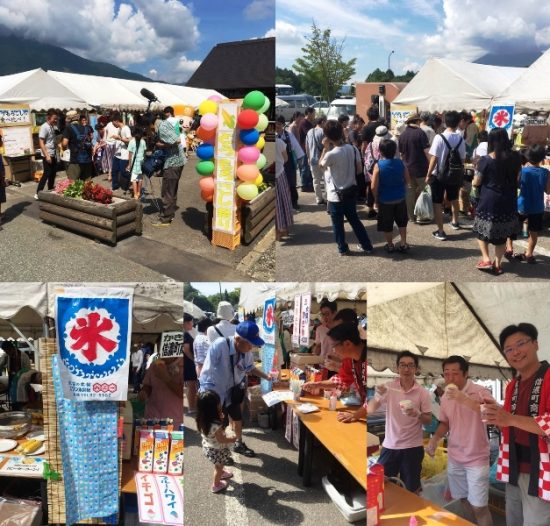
x=228, y=362
x=77, y=136
x=414, y=147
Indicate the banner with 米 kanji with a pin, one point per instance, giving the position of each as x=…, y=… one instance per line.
x=94, y=329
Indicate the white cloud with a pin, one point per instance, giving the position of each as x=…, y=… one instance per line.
x=95, y=29
x=153, y=73
x=271, y=33
x=260, y=10
x=181, y=69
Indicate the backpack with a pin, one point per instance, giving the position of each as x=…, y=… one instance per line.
x=452, y=171
x=83, y=148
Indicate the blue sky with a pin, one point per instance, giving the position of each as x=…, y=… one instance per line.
x=415, y=29
x=210, y=288
x=162, y=39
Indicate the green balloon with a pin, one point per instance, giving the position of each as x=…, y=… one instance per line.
x=205, y=168
x=262, y=122
x=254, y=100
x=261, y=162
x=265, y=107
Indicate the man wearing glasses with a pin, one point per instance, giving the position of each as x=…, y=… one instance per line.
x=408, y=407
x=524, y=456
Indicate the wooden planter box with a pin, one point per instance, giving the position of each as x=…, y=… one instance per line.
x=257, y=214
x=107, y=223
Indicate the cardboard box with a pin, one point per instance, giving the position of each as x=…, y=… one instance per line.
x=18, y=169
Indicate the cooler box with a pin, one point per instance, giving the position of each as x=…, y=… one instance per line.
x=352, y=507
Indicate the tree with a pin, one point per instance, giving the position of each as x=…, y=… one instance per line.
x=287, y=76
x=322, y=65
x=388, y=76
x=191, y=294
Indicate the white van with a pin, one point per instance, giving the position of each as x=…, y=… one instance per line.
x=339, y=106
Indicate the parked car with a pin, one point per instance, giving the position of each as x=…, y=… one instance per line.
x=294, y=103
x=340, y=106
x=321, y=107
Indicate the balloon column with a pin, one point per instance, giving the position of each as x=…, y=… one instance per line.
x=208, y=109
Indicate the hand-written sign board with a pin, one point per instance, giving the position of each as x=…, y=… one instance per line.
x=15, y=115
x=15, y=128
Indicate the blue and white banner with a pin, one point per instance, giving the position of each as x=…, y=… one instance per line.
x=94, y=329
x=501, y=116
x=268, y=321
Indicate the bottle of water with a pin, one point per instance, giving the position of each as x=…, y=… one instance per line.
x=525, y=230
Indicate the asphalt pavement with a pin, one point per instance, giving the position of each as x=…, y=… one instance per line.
x=265, y=490
x=310, y=254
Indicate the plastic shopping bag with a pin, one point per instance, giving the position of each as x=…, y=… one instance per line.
x=423, y=209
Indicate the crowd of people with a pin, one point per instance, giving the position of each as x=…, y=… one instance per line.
x=347, y=162
x=466, y=409
x=115, y=149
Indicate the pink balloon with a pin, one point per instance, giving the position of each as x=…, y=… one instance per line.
x=248, y=154
x=215, y=98
x=209, y=121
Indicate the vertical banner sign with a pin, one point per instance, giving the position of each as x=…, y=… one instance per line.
x=304, y=319
x=502, y=116
x=296, y=324
x=268, y=321
x=225, y=201
x=94, y=329
x=268, y=355
x=171, y=344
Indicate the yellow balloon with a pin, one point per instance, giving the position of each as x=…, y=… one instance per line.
x=261, y=143
x=262, y=122
x=208, y=106
x=259, y=180
x=247, y=191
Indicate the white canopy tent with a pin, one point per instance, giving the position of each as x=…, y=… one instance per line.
x=191, y=308
x=437, y=320
x=445, y=84
x=530, y=90
x=39, y=90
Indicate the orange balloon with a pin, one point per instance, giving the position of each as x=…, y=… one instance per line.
x=188, y=111
x=205, y=135
x=248, y=172
x=207, y=196
x=206, y=184
x=178, y=109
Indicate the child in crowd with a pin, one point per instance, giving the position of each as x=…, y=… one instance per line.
x=214, y=442
x=534, y=181
x=136, y=148
x=390, y=179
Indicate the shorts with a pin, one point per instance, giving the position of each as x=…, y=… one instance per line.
x=77, y=171
x=136, y=177
x=469, y=482
x=439, y=189
x=217, y=456
x=388, y=213
x=234, y=411
x=405, y=464
x=534, y=221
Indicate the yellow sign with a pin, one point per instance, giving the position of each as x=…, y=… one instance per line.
x=400, y=114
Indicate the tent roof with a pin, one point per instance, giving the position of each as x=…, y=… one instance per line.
x=39, y=90
x=530, y=90
x=253, y=294
x=437, y=320
x=445, y=84
x=238, y=65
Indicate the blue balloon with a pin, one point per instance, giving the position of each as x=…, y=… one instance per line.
x=205, y=152
x=249, y=137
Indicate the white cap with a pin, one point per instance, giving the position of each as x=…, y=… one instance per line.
x=225, y=311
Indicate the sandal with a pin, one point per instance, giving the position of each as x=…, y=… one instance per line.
x=389, y=248
x=226, y=475
x=524, y=257
x=220, y=487
x=509, y=255
x=404, y=247
x=484, y=265
x=497, y=270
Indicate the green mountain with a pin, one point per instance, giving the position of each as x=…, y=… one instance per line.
x=19, y=54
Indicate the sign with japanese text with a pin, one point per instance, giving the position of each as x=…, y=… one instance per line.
x=171, y=344
x=160, y=498
x=296, y=328
x=501, y=116
x=225, y=201
x=17, y=141
x=29, y=467
x=305, y=316
x=94, y=328
x=400, y=114
x=268, y=321
x=15, y=115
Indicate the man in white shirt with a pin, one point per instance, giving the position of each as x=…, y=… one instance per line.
x=137, y=363
x=438, y=176
x=120, y=160
x=314, y=147
x=224, y=328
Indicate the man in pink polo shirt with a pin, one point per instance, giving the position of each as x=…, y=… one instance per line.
x=468, y=444
x=408, y=407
